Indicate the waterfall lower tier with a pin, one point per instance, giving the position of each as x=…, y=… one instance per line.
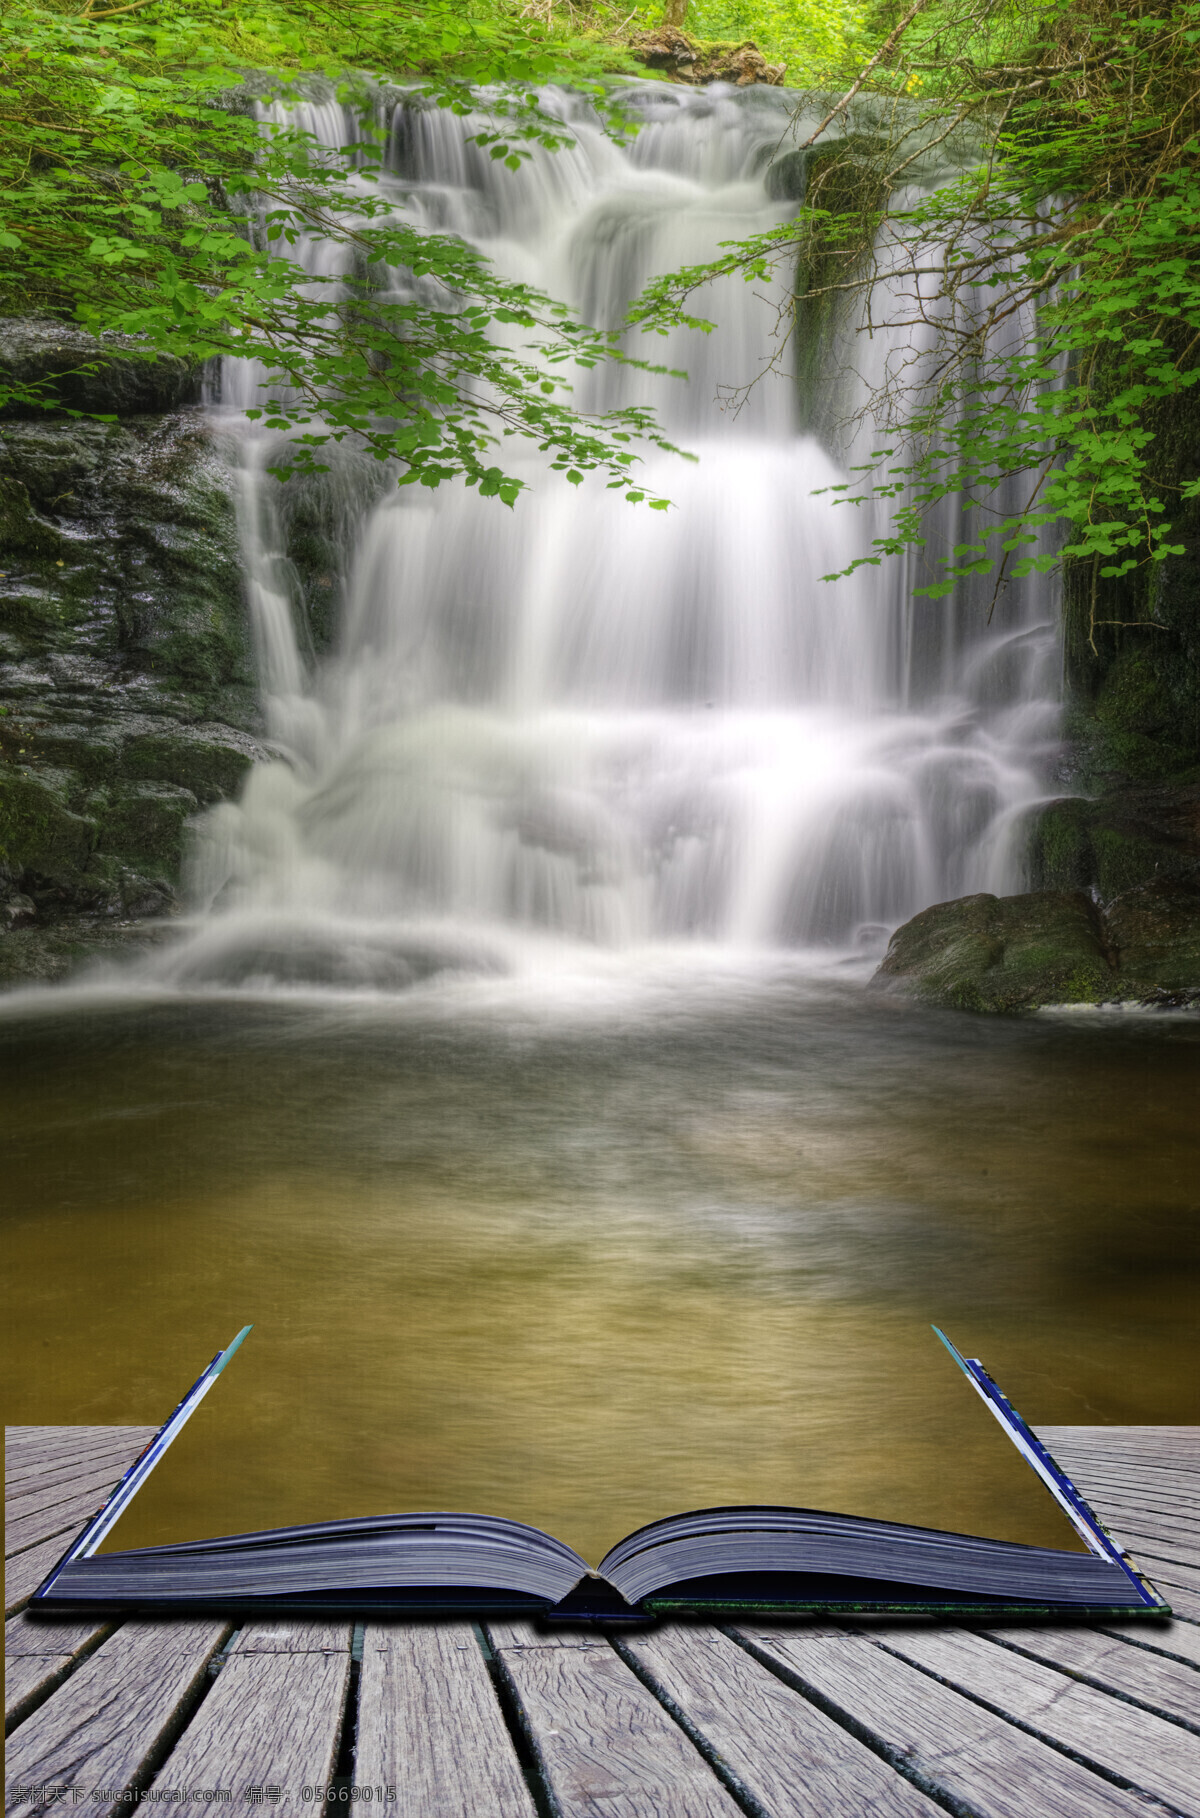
x=585, y=720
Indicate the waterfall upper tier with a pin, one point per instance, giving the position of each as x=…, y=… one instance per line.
x=585, y=718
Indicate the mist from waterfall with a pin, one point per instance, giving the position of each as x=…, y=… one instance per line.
x=582, y=726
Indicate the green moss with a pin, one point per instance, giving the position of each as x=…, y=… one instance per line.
x=1060, y=848
x=144, y=823
x=38, y=831
x=208, y=767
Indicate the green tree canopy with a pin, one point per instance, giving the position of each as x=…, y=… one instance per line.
x=140, y=195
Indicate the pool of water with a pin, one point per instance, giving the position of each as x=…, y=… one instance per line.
x=585, y=1257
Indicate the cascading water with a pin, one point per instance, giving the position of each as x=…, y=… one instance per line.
x=585, y=720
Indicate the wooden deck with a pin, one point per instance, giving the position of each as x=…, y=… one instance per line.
x=452, y=1720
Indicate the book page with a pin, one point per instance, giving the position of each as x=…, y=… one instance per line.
x=589, y=1439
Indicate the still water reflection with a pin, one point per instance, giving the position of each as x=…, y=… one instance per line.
x=588, y=1267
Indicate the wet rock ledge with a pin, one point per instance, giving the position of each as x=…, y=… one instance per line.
x=1015, y=953
x=127, y=699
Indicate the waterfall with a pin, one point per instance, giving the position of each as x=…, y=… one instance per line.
x=583, y=722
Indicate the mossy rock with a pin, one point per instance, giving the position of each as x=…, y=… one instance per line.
x=1050, y=947
x=144, y=822
x=1113, y=842
x=127, y=533
x=1155, y=930
x=44, y=956
x=210, y=762
x=65, y=368
x=38, y=830
x=1002, y=954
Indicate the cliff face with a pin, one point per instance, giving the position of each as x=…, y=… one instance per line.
x=127, y=697
x=1113, y=913
x=1133, y=680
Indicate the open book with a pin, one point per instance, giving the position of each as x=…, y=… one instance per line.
x=709, y=1561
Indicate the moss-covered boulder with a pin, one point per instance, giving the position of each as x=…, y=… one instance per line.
x=1002, y=953
x=1139, y=833
x=1155, y=932
x=1014, y=953
x=59, y=365
x=127, y=688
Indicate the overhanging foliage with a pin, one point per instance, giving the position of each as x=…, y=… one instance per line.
x=141, y=196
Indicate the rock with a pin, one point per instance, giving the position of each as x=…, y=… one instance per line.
x=1001, y=953
x=1050, y=947
x=678, y=57
x=1125, y=836
x=742, y=64
x=667, y=50
x=127, y=692
x=787, y=176
x=72, y=370
x=40, y=955
x=1155, y=930
x=18, y=911
x=121, y=541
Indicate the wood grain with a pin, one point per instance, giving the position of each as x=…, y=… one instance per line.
x=67, y=1470
x=1168, y=1686
x=1157, y=1756
x=779, y=1749
x=273, y=1721
x=602, y=1740
x=430, y=1725
x=1136, y=1529
x=61, y=1517
x=1171, y=1500
x=38, y=1653
x=1181, y=1640
x=35, y=1449
x=965, y=1756
x=1183, y=1601
x=38, y=1495
x=104, y=1728
x=24, y=1571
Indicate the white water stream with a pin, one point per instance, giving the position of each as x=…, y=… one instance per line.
x=585, y=726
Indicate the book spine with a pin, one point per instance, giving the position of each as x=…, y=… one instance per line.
x=1078, y=1511
x=89, y=1538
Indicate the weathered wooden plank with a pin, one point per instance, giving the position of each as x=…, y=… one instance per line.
x=967, y=1757
x=294, y=1635
x=523, y=1634
x=53, y=1446
x=430, y=1725
x=602, y=1740
x=1183, y=1440
x=272, y=1721
x=1155, y=1438
x=59, y=1470
x=1118, y=1507
x=1179, y=1639
x=1140, y=1529
x=72, y=1512
x=22, y=1443
x=1184, y=1601
x=26, y=1439
x=1179, y=1445
x=1167, y=1495
x=24, y=1571
x=779, y=1750
x=1174, y=1483
x=1153, y=1754
x=1172, y=1571
x=90, y=1477
x=1183, y=1464
x=105, y=1728
x=38, y=1653
x=1167, y=1686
